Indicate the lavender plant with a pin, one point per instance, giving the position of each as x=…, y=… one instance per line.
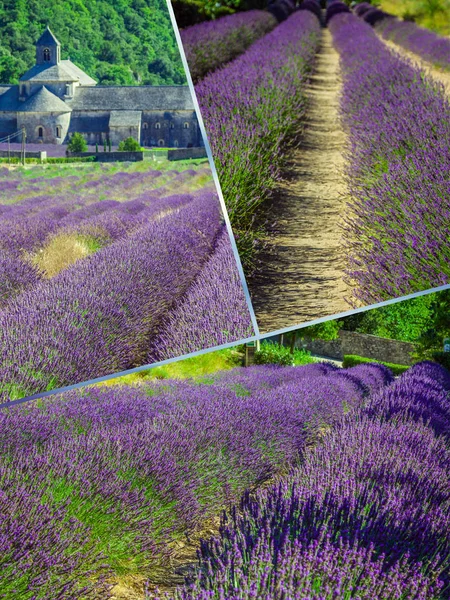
x=251, y=108
x=88, y=281
x=212, y=312
x=99, y=482
x=398, y=124
x=365, y=515
x=423, y=42
x=211, y=44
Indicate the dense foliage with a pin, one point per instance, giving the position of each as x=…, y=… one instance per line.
x=351, y=360
x=109, y=269
x=398, y=124
x=77, y=143
x=364, y=516
x=276, y=354
x=251, y=108
x=103, y=480
x=130, y=42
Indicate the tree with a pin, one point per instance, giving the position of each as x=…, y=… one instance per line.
x=432, y=337
x=129, y=145
x=77, y=143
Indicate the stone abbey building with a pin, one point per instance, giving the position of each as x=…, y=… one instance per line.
x=55, y=99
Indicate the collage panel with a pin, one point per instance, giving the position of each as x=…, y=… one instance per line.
x=329, y=128
x=177, y=176
x=312, y=464
x=114, y=251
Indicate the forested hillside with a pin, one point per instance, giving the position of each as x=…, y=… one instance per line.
x=122, y=42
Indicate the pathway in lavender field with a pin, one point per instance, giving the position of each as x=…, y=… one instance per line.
x=302, y=276
x=435, y=73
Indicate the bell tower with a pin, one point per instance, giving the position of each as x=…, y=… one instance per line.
x=48, y=49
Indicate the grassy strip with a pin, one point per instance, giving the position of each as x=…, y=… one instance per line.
x=351, y=360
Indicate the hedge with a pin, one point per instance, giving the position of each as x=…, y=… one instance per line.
x=351, y=360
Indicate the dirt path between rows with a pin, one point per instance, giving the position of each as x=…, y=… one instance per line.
x=441, y=76
x=302, y=274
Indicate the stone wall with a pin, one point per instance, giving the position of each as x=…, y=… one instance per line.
x=18, y=154
x=170, y=129
x=110, y=156
x=186, y=153
x=49, y=122
x=362, y=344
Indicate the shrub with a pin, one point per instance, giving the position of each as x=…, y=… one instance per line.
x=77, y=143
x=128, y=145
x=351, y=360
x=275, y=354
x=443, y=358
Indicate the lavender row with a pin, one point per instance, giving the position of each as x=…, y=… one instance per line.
x=251, y=107
x=99, y=482
x=98, y=316
x=364, y=516
x=211, y=44
x=214, y=310
x=427, y=44
x=398, y=124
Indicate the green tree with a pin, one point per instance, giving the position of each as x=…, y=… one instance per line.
x=77, y=143
x=124, y=37
x=432, y=337
x=129, y=145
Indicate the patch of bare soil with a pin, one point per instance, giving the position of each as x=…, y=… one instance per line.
x=304, y=261
x=437, y=74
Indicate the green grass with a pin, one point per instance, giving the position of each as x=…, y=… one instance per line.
x=193, y=367
x=351, y=360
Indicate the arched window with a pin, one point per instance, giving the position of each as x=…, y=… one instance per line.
x=186, y=125
x=145, y=125
x=47, y=55
x=40, y=132
x=68, y=89
x=175, y=143
x=172, y=126
x=157, y=125
x=58, y=131
x=161, y=143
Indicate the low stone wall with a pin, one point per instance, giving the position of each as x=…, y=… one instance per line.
x=362, y=344
x=18, y=154
x=110, y=156
x=186, y=153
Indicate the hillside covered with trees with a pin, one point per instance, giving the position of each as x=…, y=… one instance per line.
x=117, y=42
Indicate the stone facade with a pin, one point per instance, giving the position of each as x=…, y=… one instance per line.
x=55, y=99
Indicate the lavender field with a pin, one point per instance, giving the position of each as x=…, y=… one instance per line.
x=95, y=261
x=338, y=479
x=394, y=119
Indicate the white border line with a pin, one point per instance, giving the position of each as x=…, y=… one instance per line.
x=223, y=346
x=83, y=384
x=213, y=167
x=354, y=311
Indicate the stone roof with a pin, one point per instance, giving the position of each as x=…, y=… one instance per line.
x=81, y=76
x=43, y=101
x=48, y=39
x=163, y=97
x=9, y=98
x=125, y=118
x=64, y=71
x=47, y=73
